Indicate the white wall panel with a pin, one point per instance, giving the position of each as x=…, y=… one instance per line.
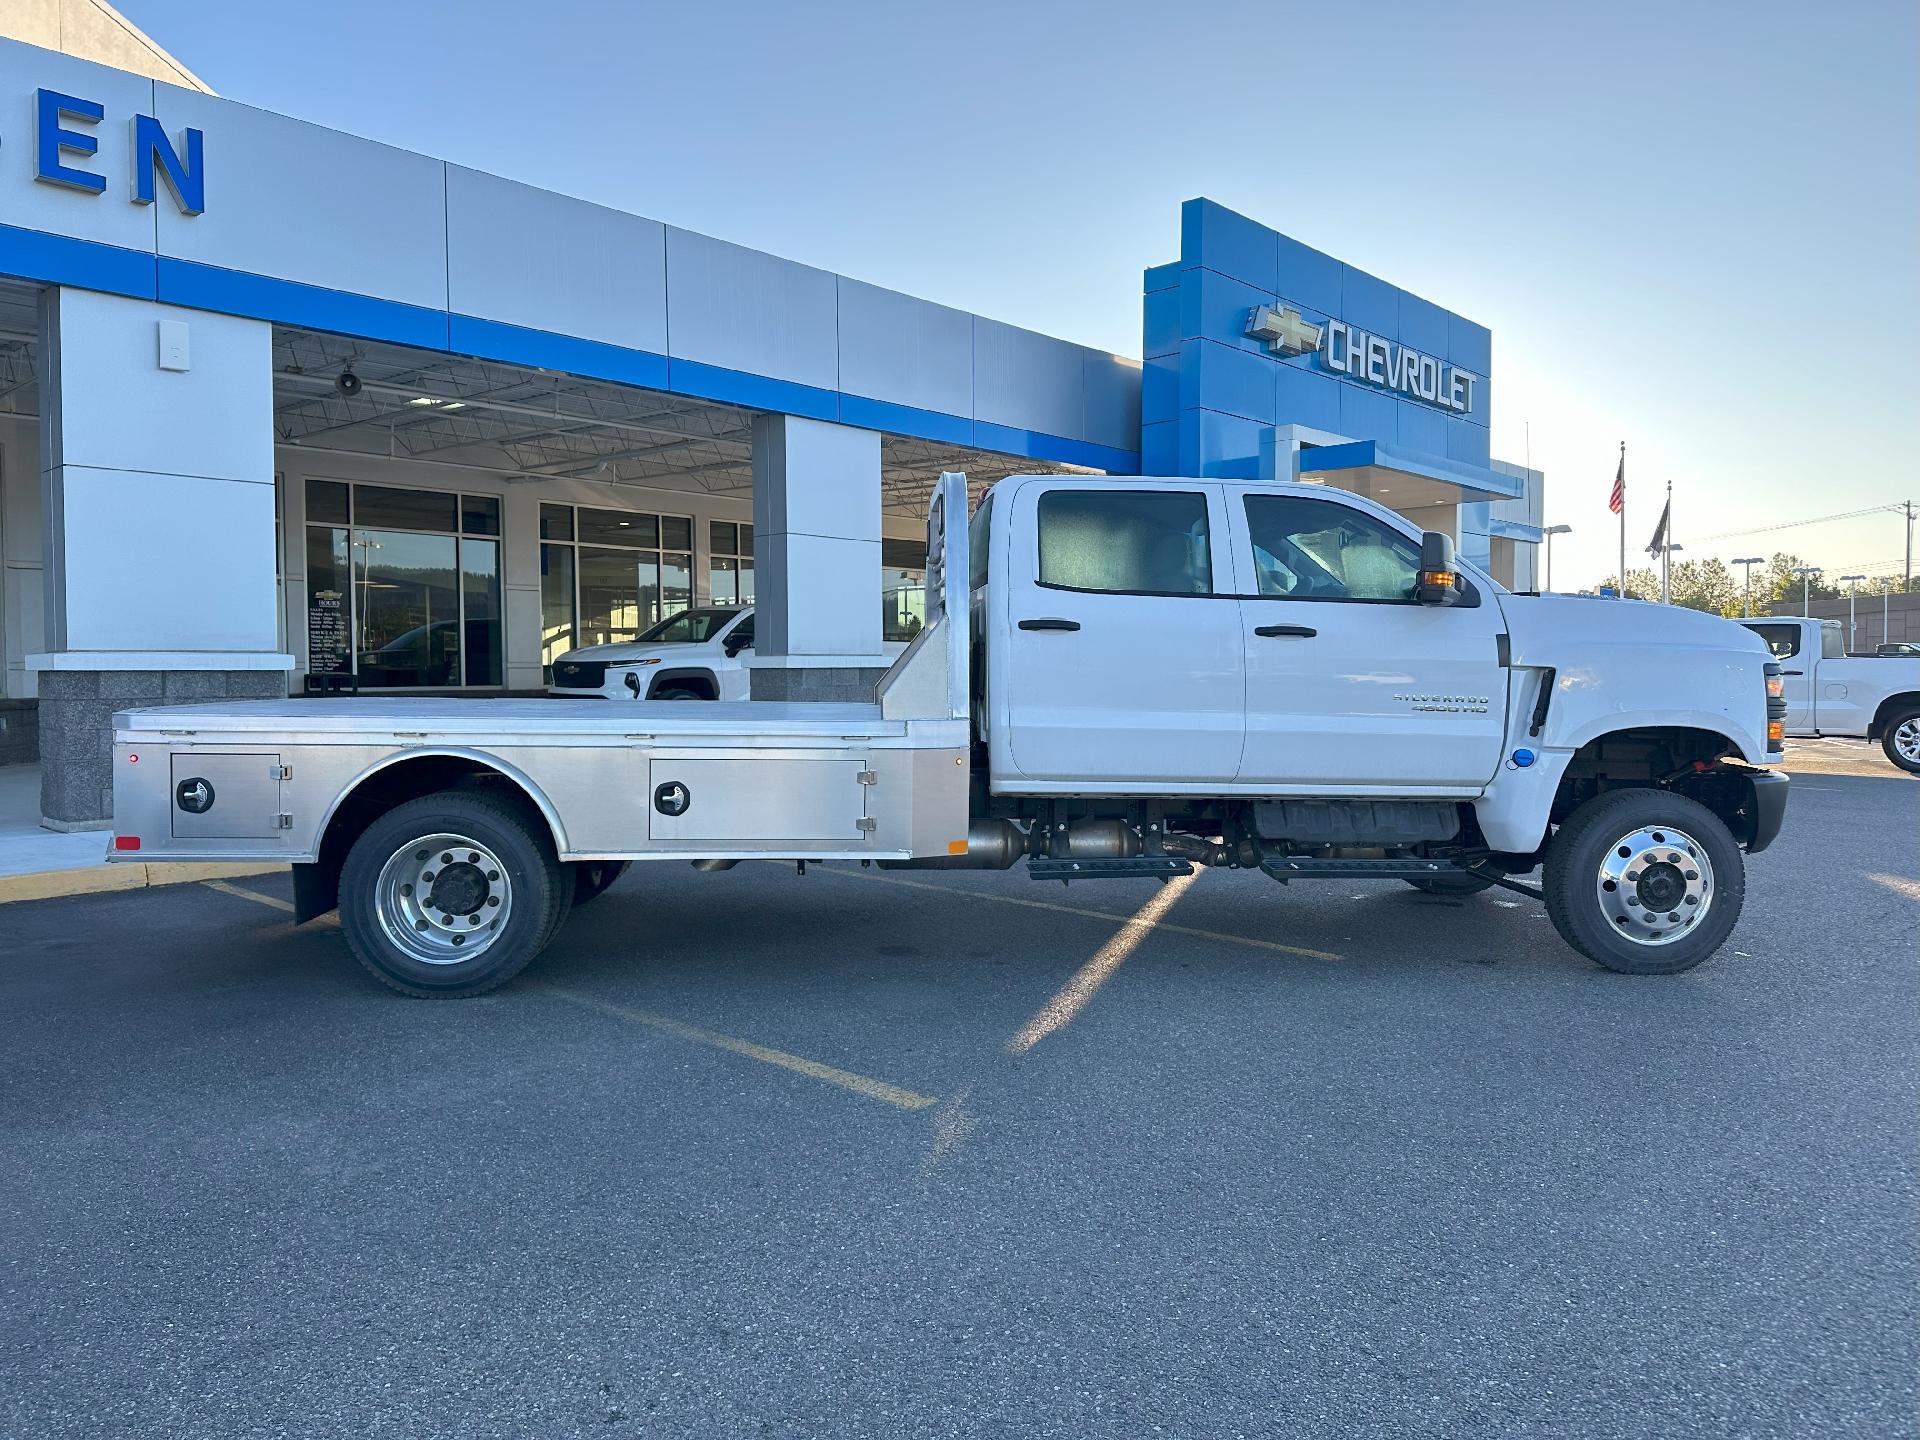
x=167, y=562
x=907, y=351
x=549, y=262
x=109, y=217
x=745, y=310
x=120, y=411
x=1026, y=380
x=1112, y=404
x=302, y=202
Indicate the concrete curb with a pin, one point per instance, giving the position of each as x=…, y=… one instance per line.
x=97, y=879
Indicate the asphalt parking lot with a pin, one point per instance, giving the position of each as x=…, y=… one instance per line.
x=855, y=1154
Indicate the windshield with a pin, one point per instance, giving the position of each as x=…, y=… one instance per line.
x=689, y=627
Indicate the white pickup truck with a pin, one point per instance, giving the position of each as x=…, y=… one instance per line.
x=1830, y=692
x=1119, y=676
x=693, y=655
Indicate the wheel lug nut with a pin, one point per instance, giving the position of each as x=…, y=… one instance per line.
x=406, y=890
x=426, y=877
x=493, y=899
x=446, y=858
x=493, y=874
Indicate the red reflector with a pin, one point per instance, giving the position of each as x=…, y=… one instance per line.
x=126, y=842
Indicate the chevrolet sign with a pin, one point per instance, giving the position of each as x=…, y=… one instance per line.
x=1354, y=353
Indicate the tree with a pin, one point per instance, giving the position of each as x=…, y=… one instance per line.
x=1706, y=585
x=1641, y=584
x=1778, y=582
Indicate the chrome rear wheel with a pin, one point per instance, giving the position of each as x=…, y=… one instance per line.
x=443, y=899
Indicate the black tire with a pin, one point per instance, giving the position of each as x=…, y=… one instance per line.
x=519, y=868
x=677, y=692
x=1890, y=738
x=592, y=878
x=1625, y=820
x=1451, y=885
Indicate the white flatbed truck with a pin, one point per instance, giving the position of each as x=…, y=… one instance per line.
x=1119, y=676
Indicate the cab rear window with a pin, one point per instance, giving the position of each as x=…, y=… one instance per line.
x=1151, y=542
x=1782, y=640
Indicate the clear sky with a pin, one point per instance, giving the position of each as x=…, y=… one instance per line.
x=1690, y=226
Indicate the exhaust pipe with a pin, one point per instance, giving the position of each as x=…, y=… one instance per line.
x=991, y=845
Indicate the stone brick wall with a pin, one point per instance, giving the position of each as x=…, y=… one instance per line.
x=76, y=728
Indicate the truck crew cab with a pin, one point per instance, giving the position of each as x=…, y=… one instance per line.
x=1829, y=692
x=1119, y=676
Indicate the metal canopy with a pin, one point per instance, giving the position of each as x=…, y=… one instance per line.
x=526, y=426
x=535, y=425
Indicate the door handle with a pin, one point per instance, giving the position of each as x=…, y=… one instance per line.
x=1793, y=672
x=1050, y=623
x=1304, y=632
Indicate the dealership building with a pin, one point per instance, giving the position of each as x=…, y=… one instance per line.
x=287, y=410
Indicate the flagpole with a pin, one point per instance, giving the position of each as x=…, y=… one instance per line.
x=1623, y=519
x=1666, y=549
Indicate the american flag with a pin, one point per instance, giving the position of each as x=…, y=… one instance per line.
x=1619, y=496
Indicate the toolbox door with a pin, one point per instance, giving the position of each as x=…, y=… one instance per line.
x=746, y=803
x=226, y=797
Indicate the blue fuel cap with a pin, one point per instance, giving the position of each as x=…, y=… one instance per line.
x=1522, y=758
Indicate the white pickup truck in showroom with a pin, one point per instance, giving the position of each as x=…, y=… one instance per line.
x=1119, y=677
x=693, y=655
x=1829, y=692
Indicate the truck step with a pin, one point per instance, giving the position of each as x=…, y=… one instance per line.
x=1117, y=868
x=1287, y=867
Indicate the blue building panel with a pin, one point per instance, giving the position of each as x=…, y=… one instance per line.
x=1160, y=389
x=1219, y=377
x=1307, y=277
x=1225, y=446
x=1469, y=346
x=1369, y=304
x=1162, y=277
x=1423, y=325
x=1215, y=238
x=1216, y=307
x=1160, y=322
x=1160, y=448
x=1467, y=441
x=1302, y=397
x=1110, y=401
x=1421, y=428
x=1368, y=414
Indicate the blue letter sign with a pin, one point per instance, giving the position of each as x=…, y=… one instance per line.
x=154, y=153
x=50, y=139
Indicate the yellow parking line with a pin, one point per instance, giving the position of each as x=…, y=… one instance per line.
x=1071, y=998
x=1106, y=915
x=880, y=1090
x=241, y=892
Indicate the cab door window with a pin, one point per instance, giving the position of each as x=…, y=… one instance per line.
x=1306, y=549
x=1783, y=641
x=1132, y=542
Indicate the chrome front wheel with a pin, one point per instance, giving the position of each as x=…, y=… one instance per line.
x=1655, y=883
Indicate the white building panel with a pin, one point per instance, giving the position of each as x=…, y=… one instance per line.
x=907, y=351
x=1111, y=413
x=109, y=216
x=530, y=257
x=745, y=310
x=1026, y=380
x=305, y=203
x=212, y=419
x=167, y=563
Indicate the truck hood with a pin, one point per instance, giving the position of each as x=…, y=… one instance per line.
x=1538, y=623
x=1631, y=664
x=629, y=652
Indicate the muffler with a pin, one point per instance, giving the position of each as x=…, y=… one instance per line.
x=991, y=845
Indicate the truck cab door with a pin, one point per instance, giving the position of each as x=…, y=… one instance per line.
x=1353, y=686
x=1115, y=654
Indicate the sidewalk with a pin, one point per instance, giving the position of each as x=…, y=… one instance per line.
x=37, y=864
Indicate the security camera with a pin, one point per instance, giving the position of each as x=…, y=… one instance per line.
x=348, y=384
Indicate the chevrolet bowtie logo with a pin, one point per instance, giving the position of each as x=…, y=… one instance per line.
x=1285, y=332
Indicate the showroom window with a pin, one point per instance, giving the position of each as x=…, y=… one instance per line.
x=403, y=586
x=729, y=563
x=903, y=588
x=607, y=575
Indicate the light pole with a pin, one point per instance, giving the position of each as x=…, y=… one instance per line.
x=1749, y=561
x=1886, y=633
x=1549, y=533
x=1806, y=574
x=1850, y=581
